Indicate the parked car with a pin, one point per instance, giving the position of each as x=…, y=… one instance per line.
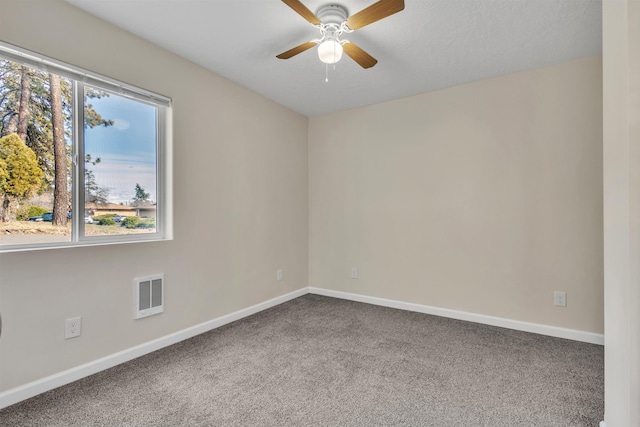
x=119, y=218
x=47, y=216
x=87, y=218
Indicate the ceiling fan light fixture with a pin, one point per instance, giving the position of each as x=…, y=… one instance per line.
x=330, y=51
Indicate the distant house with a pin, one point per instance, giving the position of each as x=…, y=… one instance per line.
x=146, y=211
x=96, y=209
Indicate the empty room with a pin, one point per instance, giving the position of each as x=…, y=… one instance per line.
x=309, y=213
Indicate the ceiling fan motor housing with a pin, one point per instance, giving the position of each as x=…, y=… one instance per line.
x=332, y=14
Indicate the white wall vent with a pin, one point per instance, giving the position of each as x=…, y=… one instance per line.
x=148, y=296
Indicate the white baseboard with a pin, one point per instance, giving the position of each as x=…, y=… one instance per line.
x=34, y=388
x=535, y=328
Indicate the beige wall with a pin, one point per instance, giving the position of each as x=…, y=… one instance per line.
x=240, y=158
x=483, y=198
x=621, y=79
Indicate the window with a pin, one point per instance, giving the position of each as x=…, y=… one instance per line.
x=83, y=158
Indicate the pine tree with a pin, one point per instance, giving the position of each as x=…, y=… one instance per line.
x=141, y=197
x=60, y=194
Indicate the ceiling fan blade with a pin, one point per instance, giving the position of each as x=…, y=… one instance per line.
x=296, y=50
x=360, y=56
x=303, y=11
x=375, y=12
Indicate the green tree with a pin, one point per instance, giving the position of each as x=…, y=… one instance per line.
x=29, y=106
x=93, y=193
x=141, y=197
x=20, y=175
x=17, y=118
x=25, y=101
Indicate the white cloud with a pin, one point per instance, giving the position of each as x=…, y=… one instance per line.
x=121, y=124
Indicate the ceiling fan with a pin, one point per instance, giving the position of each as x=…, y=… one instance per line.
x=332, y=21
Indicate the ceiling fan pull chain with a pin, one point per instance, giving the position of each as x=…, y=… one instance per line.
x=326, y=73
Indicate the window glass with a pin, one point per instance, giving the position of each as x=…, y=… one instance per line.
x=35, y=155
x=120, y=165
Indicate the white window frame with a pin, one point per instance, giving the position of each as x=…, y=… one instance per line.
x=81, y=78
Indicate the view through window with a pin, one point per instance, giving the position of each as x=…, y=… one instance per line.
x=68, y=146
x=120, y=165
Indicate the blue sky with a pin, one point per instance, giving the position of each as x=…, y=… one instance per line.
x=127, y=149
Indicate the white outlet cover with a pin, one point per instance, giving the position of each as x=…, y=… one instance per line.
x=73, y=327
x=560, y=299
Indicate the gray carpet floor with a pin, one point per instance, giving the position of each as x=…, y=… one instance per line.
x=318, y=361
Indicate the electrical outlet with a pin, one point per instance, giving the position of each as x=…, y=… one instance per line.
x=279, y=275
x=72, y=327
x=354, y=272
x=560, y=299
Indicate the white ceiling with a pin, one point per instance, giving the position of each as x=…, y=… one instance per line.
x=430, y=45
